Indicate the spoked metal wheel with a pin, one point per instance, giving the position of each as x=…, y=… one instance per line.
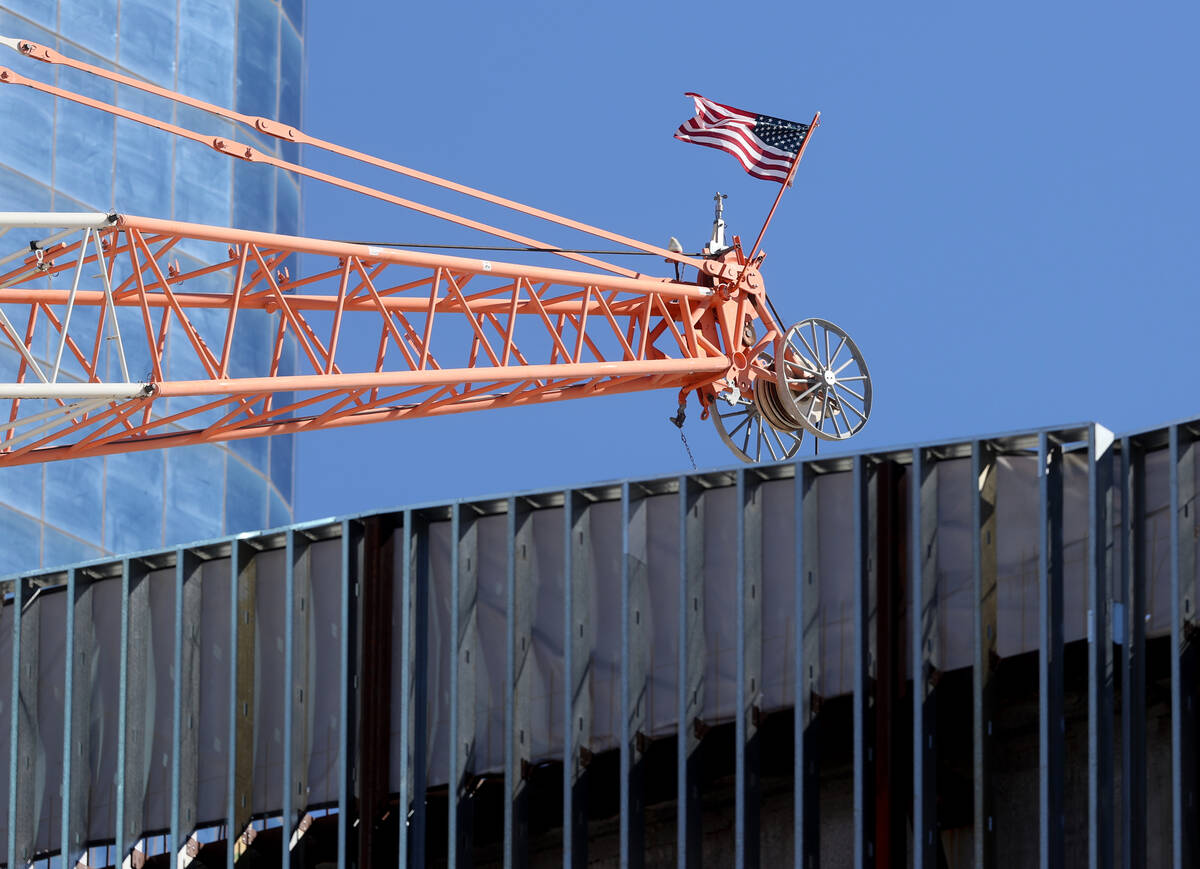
x=823, y=380
x=749, y=434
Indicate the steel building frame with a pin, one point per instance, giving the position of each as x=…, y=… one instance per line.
x=386, y=564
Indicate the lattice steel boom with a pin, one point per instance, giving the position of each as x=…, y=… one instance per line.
x=118, y=348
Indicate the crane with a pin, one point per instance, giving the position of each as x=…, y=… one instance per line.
x=88, y=302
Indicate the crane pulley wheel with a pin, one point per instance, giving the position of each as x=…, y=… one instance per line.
x=748, y=434
x=823, y=380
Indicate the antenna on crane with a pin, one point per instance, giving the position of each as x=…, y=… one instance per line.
x=717, y=243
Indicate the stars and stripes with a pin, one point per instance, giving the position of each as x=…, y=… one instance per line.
x=765, y=146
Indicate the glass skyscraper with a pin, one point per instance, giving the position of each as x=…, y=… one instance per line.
x=59, y=156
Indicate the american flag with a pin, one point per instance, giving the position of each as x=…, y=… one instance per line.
x=765, y=146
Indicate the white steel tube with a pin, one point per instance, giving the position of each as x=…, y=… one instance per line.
x=55, y=219
x=65, y=391
x=58, y=236
x=66, y=323
x=72, y=410
x=56, y=411
x=112, y=310
x=14, y=338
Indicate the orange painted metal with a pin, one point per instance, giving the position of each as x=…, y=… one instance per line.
x=376, y=333
x=291, y=134
x=451, y=334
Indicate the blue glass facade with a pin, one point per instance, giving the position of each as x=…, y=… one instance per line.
x=57, y=156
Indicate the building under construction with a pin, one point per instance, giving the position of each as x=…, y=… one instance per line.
x=964, y=653
x=974, y=653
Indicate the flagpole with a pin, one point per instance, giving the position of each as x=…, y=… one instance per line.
x=816, y=122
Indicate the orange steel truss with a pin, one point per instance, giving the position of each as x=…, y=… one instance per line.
x=144, y=352
x=451, y=334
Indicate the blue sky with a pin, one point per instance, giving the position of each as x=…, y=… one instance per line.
x=1000, y=206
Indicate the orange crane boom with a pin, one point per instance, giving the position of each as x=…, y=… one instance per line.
x=447, y=334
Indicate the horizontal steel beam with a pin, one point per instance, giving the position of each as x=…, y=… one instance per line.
x=67, y=390
x=446, y=377
x=55, y=219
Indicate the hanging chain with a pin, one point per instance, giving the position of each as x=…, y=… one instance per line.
x=691, y=458
x=678, y=419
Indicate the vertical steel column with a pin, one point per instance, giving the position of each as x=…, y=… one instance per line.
x=242, y=596
x=635, y=601
x=419, y=549
x=131, y=710
x=22, y=726
x=414, y=649
x=122, y=844
x=185, y=702
x=983, y=646
x=692, y=656
x=1183, y=647
x=740, y=735
x=405, y=798
x=80, y=644
x=864, y=800
x=893, y=762
x=747, y=799
x=454, y=754
x=373, y=679
x=1133, y=658
x=518, y=681
x=420, y=704
x=806, y=819
x=351, y=571
x=577, y=669
x=464, y=631
x=924, y=648
x=297, y=594
x=287, y=810
x=1100, y=658
x=14, y=718
x=1051, y=736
